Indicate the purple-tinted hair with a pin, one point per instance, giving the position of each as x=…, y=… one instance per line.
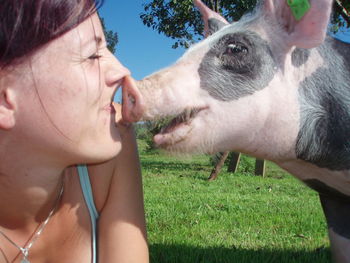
x=27, y=25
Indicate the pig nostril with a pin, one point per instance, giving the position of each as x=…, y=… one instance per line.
x=131, y=99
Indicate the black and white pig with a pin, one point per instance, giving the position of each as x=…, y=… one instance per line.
x=268, y=86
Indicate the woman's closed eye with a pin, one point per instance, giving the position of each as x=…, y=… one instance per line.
x=95, y=56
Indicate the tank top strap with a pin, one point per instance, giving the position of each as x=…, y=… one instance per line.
x=89, y=200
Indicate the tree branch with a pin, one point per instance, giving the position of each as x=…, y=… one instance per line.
x=345, y=15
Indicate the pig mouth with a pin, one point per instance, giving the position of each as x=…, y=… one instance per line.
x=175, y=129
x=184, y=118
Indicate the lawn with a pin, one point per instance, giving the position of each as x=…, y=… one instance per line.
x=237, y=218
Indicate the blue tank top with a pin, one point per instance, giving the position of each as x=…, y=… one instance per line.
x=89, y=200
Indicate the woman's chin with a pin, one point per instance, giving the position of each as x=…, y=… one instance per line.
x=100, y=152
x=113, y=150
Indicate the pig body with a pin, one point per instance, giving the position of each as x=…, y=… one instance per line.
x=270, y=87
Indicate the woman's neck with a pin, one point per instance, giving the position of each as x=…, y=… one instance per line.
x=27, y=193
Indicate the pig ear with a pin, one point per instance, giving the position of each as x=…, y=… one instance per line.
x=307, y=32
x=212, y=20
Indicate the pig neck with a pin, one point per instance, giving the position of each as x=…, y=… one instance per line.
x=308, y=79
x=324, y=99
x=322, y=144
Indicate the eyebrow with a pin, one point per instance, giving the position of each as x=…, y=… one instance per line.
x=95, y=40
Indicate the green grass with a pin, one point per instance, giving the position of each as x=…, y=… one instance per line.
x=237, y=218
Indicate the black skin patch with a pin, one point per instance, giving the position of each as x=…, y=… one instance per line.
x=337, y=214
x=300, y=56
x=343, y=49
x=215, y=25
x=238, y=65
x=336, y=207
x=332, y=131
x=326, y=190
x=327, y=142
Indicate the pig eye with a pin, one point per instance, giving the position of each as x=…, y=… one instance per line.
x=235, y=48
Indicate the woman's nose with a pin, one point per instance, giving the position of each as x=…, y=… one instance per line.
x=133, y=106
x=115, y=72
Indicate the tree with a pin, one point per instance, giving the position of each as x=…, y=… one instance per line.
x=341, y=15
x=111, y=37
x=181, y=21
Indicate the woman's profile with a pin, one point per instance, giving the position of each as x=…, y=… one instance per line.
x=70, y=183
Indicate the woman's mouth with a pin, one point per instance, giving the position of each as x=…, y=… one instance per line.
x=109, y=108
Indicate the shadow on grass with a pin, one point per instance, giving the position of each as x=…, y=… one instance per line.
x=176, y=166
x=160, y=253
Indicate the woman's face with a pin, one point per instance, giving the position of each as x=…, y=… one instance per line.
x=64, y=96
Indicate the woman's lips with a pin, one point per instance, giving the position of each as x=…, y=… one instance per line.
x=109, y=108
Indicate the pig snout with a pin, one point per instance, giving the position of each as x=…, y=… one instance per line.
x=165, y=93
x=133, y=106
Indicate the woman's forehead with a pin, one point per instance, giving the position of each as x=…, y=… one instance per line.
x=79, y=41
x=86, y=33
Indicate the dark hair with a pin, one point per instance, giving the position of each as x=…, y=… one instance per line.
x=27, y=25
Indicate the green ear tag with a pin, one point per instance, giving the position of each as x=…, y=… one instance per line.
x=299, y=8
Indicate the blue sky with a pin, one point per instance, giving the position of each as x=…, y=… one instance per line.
x=140, y=48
